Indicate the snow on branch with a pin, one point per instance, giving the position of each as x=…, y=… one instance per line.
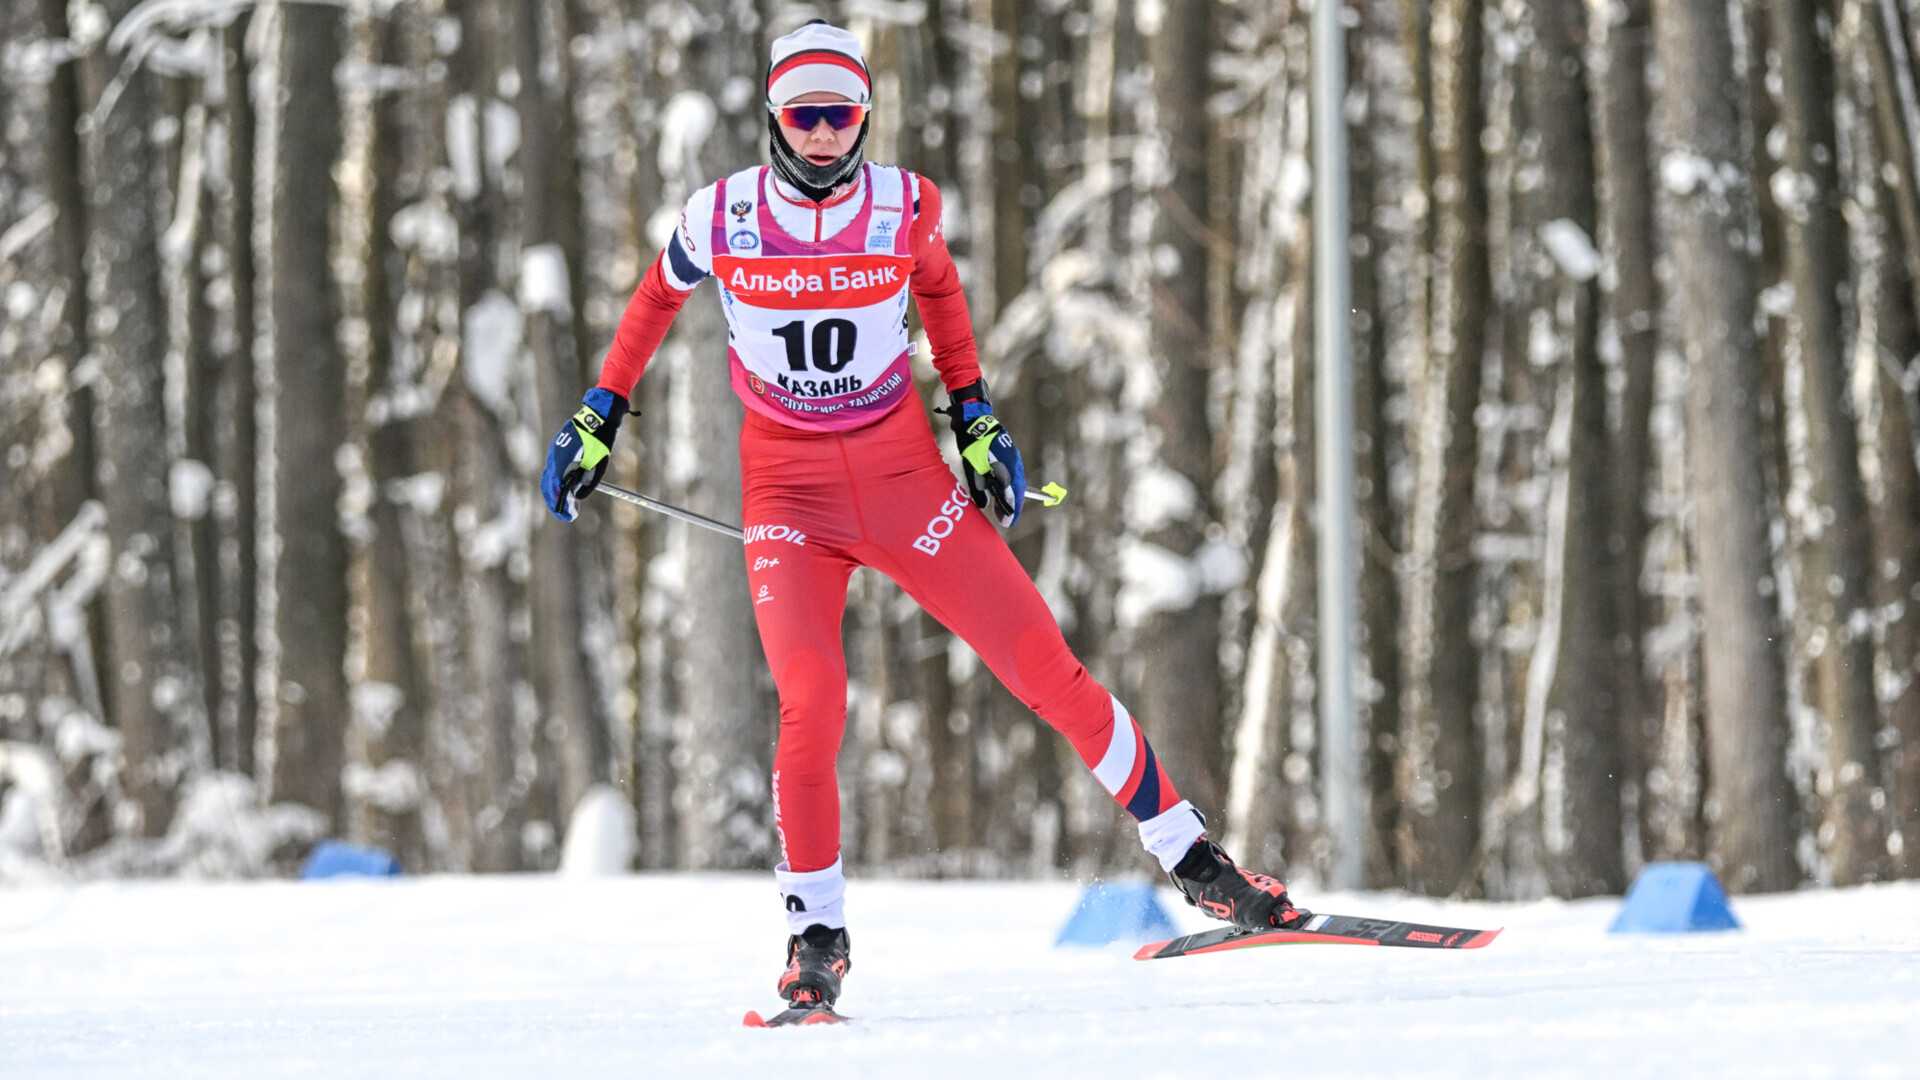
x=173, y=36
x=19, y=592
x=492, y=334
x=30, y=811
x=32, y=63
x=887, y=12
x=148, y=23
x=1572, y=249
x=685, y=122
x=27, y=230
x=543, y=280
x=480, y=135
x=1155, y=579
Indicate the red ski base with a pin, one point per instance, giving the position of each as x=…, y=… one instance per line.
x=1323, y=930
x=812, y=1014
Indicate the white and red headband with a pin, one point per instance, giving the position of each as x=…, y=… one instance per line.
x=818, y=57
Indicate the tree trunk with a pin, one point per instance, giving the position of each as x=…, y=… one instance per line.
x=1012, y=162
x=1174, y=567
x=392, y=696
x=1373, y=391
x=1269, y=805
x=1888, y=311
x=236, y=443
x=1105, y=414
x=155, y=687
x=310, y=703
x=412, y=427
x=1750, y=802
x=568, y=617
x=933, y=148
x=1440, y=765
x=1578, y=675
x=1274, y=386
x=1416, y=32
x=1633, y=322
x=190, y=368
x=1021, y=118
x=64, y=167
x=1827, y=510
x=1896, y=114
x=35, y=379
x=1896, y=524
x=486, y=474
x=1515, y=457
x=64, y=164
x=727, y=722
x=620, y=150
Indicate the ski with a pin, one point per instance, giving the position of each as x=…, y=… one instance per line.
x=799, y=1014
x=1323, y=930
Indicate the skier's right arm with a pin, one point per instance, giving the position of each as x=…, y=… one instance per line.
x=577, y=457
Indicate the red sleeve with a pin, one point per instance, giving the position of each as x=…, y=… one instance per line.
x=645, y=323
x=936, y=289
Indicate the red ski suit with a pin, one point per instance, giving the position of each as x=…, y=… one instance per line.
x=827, y=493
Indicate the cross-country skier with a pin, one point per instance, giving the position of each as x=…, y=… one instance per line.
x=815, y=258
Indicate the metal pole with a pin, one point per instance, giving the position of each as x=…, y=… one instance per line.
x=670, y=510
x=1045, y=495
x=1345, y=793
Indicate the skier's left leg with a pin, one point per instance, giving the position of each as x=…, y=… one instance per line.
x=926, y=535
x=919, y=527
x=950, y=558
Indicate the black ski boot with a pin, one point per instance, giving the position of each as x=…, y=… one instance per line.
x=817, y=959
x=1210, y=882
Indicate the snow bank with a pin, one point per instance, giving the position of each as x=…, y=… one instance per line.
x=221, y=830
x=648, y=975
x=600, y=837
x=29, y=811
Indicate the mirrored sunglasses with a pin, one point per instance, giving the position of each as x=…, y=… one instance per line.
x=839, y=115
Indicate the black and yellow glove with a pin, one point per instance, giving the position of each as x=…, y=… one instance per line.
x=990, y=463
x=577, y=457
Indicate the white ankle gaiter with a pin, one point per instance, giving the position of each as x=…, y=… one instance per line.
x=813, y=897
x=1170, y=833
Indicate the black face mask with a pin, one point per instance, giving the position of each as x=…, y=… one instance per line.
x=816, y=182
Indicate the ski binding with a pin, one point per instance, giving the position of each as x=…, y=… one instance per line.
x=795, y=1016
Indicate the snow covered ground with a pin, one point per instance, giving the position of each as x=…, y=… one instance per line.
x=648, y=977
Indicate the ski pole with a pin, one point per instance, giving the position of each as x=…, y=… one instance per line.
x=1047, y=495
x=671, y=510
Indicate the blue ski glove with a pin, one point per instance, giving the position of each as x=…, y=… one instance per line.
x=989, y=461
x=577, y=458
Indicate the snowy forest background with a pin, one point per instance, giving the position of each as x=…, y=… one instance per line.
x=295, y=293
